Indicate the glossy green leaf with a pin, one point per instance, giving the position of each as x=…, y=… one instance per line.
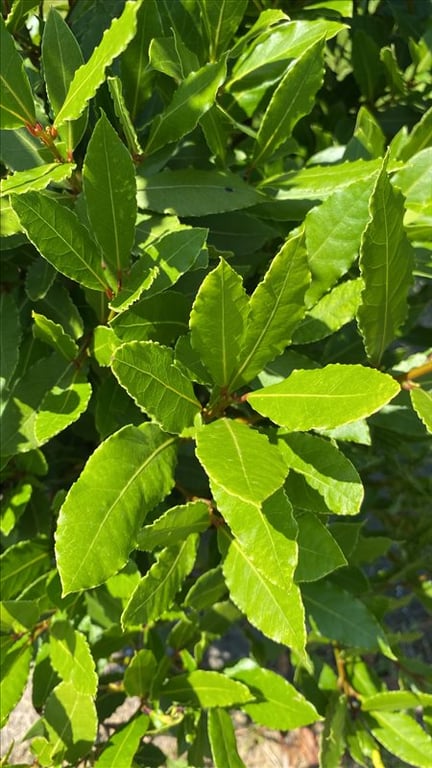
x=123, y=745
x=104, y=344
x=240, y=461
x=156, y=591
x=71, y=658
x=158, y=318
x=53, y=334
x=10, y=336
x=206, y=690
x=110, y=193
x=23, y=564
x=98, y=523
x=171, y=56
x=115, y=86
x=13, y=503
x=139, y=673
x=293, y=99
x=319, y=181
x=333, y=233
x=326, y=470
x=58, y=306
x=71, y=722
x=174, y=254
x=393, y=700
x=220, y=22
x=402, y=736
x=278, y=704
x=340, y=616
x=421, y=400
x=137, y=280
x=36, y=178
x=414, y=180
x=18, y=12
x=194, y=96
x=16, y=100
x=15, y=669
x=147, y=371
x=136, y=74
x=218, y=321
x=175, y=525
x=91, y=75
x=334, y=310
x=419, y=138
x=325, y=398
x=276, y=612
x=193, y=192
x=62, y=240
x=318, y=551
x=61, y=57
x=276, y=307
x=266, y=532
x=386, y=261
x=222, y=740
x=332, y=745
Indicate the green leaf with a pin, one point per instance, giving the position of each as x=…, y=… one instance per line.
x=325, y=398
x=157, y=318
x=54, y=335
x=39, y=279
x=174, y=254
x=156, y=591
x=421, y=400
x=104, y=344
x=110, y=193
x=18, y=13
x=333, y=233
x=276, y=307
x=278, y=704
x=23, y=564
x=276, y=612
x=386, y=263
x=266, y=532
x=71, y=658
x=240, y=461
x=206, y=690
x=419, y=138
x=218, y=321
x=318, y=551
x=16, y=99
x=401, y=735
x=15, y=663
x=62, y=240
x=326, y=470
x=17, y=616
x=220, y=22
x=319, y=181
x=147, y=371
x=334, y=310
x=71, y=721
x=58, y=306
x=170, y=56
x=207, y=590
x=61, y=57
x=99, y=521
x=139, y=673
x=175, y=525
x=222, y=738
x=393, y=700
x=36, y=178
x=123, y=745
x=115, y=86
x=342, y=617
x=193, y=192
x=13, y=503
x=293, y=99
x=10, y=337
x=333, y=737
x=136, y=73
x=89, y=77
x=194, y=96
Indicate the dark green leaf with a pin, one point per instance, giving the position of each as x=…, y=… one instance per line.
x=16, y=100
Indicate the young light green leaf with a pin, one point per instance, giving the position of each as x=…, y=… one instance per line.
x=71, y=722
x=402, y=736
x=218, y=321
x=293, y=99
x=319, y=181
x=15, y=669
x=318, y=551
x=240, y=460
x=91, y=75
x=22, y=564
x=194, y=96
x=71, y=658
x=276, y=307
x=61, y=57
x=386, y=261
x=220, y=23
x=171, y=56
x=326, y=470
x=10, y=337
x=62, y=240
x=206, y=689
x=139, y=673
x=147, y=371
x=276, y=612
x=174, y=525
x=324, y=398
x=266, y=532
x=193, y=192
x=278, y=704
x=421, y=400
x=110, y=193
x=390, y=701
x=333, y=233
x=54, y=335
x=334, y=310
x=98, y=523
x=156, y=591
x=16, y=99
x=222, y=740
x=124, y=743
x=115, y=86
x=36, y=178
x=419, y=138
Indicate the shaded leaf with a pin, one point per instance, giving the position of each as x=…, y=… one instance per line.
x=318, y=551
x=15, y=670
x=421, y=400
x=16, y=99
x=222, y=740
x=334, y=310
x=139, y=673
x=71, y=658
x=206, y=689
x=10, y=337
x=71, y=721
x=53, y=334
x=175, y=525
